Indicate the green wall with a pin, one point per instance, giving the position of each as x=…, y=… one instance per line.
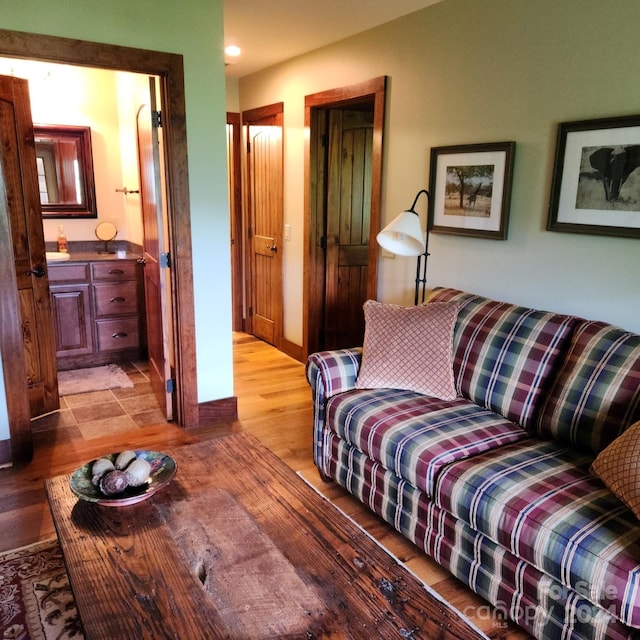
x=194, y=29
x=473, y=71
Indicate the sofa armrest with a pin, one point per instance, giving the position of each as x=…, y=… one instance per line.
x=334, y=371
x=329, y=373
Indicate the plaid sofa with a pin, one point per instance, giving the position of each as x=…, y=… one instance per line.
x=496, y=485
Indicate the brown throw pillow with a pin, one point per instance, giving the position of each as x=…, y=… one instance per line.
x=409, y=348
x=617, y=467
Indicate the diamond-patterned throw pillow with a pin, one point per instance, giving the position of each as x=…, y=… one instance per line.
x=409, y=348
x=617, y=467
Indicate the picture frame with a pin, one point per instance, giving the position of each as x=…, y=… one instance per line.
x=595, y=186
x=470, y=187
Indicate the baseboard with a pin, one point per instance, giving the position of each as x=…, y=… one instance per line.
x=217, y=411
x=292, y=350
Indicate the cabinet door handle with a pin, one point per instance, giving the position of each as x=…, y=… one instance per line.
x=117, y=299
x=116, y=271
x=119, y=334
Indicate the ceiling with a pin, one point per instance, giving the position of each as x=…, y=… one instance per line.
x=269, y=32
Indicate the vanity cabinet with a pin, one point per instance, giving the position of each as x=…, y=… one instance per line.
x=98, y=314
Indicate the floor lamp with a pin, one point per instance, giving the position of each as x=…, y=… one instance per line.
x=404, y=237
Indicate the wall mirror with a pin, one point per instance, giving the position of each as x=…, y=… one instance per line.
x=65, y=171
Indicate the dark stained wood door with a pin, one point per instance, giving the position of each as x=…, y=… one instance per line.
x=18, y=160
x=265, y=177
x=347, y=226
x=369, y=96
x=156, y=272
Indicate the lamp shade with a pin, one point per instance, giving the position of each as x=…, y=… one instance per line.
x=403, y=235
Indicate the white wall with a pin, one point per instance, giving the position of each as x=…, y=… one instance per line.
x=233, y=96
x=132, y=91
x=472, y=71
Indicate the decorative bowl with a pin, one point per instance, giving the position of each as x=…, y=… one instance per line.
x=163, y=468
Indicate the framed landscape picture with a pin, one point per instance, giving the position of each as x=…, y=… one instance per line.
x=596, y=178
x=470, y=188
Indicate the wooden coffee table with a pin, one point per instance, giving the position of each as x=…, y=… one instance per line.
x=237, y=546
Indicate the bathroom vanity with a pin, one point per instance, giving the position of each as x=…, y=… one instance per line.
x=97, y=304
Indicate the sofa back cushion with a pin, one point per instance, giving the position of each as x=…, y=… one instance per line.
x=504, y=354
x=596, y=394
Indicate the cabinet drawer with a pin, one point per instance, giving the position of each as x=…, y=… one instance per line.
x=114, y=270
x=116, y=299
x=69, y=272
x=122, y=333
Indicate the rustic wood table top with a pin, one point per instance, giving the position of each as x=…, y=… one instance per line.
x=237, y=546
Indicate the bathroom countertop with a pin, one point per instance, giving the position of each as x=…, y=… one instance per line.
x=94, y=256
x=92, y=251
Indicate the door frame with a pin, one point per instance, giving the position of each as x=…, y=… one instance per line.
x=315, y=202
x=234, y=162
x=169, y=68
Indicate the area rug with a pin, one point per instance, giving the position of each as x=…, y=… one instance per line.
x=36, y=602
x=110, y=376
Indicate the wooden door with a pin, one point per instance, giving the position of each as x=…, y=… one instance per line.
x=234, y=176
x=264, y=172
x=18, y=161
x=347, y=226
x=156, y=258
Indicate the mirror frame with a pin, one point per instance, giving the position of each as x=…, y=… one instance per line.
x=82, y=138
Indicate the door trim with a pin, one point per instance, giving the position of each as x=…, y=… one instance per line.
x=169, y=68
x=234, y=163
x=314, y=201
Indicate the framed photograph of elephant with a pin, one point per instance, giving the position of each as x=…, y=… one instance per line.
x=596, y=178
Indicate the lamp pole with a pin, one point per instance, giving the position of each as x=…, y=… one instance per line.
x=421, y=266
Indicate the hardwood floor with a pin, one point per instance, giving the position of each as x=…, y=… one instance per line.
x=274, y=404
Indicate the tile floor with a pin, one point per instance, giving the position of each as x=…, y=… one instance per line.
x=91, y=415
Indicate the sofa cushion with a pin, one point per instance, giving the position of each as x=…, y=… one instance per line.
x=504, y=354
x=415, y=435
x=540, y=502
x=596, y=394
x=617, y=467
x=409, y=348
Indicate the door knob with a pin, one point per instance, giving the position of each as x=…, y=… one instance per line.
x=272, y=247
x=37, y=271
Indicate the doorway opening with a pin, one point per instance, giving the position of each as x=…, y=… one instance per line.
x=169, y=71
x=342, y=211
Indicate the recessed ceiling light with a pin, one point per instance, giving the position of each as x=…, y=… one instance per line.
x=233, y=51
